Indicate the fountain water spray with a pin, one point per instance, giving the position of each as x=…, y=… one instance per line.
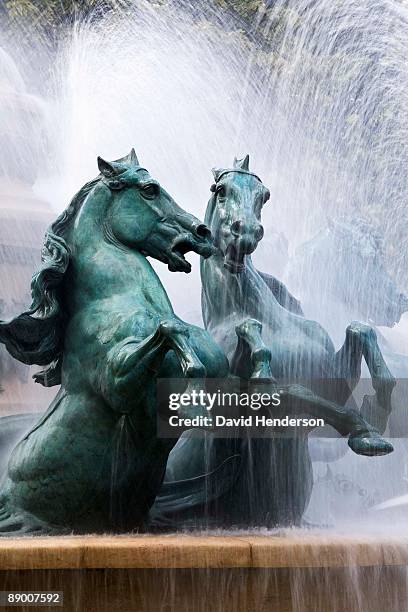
x=320, y=105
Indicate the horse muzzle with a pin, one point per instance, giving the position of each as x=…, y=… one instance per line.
x=199, y=242
x=236, y=251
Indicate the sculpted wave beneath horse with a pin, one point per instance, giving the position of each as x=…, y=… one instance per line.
x=103, y=326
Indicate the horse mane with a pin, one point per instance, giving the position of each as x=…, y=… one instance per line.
x=37, y=335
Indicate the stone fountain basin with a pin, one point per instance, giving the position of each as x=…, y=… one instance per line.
x=292, y=571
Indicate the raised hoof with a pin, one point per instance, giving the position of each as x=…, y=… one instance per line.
x=370, y=446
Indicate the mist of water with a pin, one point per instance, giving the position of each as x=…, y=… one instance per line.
x=321, y=110
x=173, y=87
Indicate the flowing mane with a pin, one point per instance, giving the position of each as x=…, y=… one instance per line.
x=37, y=335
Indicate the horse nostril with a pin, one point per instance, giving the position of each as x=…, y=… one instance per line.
x=203, y=231
x=259, y=233
x=237, y=228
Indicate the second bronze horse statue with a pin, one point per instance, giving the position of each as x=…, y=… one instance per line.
x=273, y=484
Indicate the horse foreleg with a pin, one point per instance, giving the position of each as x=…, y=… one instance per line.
x=347, y=361
x=364, y=439
x=178, y=336
x=132, y=363
x=361, y=341
x=252, y=358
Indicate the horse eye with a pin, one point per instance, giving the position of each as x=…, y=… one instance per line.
x=150, y=191
x=221, y=192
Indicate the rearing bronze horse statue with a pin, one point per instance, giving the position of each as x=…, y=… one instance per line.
x=103, y=325
x=275, y=342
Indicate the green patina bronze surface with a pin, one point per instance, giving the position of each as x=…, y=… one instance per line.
x=102, y=325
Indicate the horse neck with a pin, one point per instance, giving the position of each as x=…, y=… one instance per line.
x=101, y=267
x=226, y=295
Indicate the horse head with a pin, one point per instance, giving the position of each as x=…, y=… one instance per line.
x=234, y=212
x=123, y=206
x=143, y=216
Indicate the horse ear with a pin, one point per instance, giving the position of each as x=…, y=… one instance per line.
x=217, y=173
x=105, y=168
x=133, y=158
x=242, y=164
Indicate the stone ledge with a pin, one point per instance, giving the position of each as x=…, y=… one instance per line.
x=215, y=552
